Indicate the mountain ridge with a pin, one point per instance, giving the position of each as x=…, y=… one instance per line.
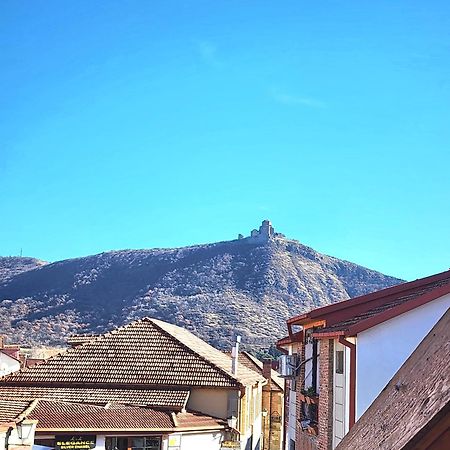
x=248, y=286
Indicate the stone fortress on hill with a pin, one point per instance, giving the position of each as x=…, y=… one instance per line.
x=262, y=235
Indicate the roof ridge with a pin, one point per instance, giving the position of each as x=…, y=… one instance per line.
x=96, y=338
x=193, y=351
x=392, y=291
x=27, y=411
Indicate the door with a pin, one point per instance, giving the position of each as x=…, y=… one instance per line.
x=339, y=394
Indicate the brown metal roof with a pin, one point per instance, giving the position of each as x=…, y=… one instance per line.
x=145, y=353
x=367, y=315
x=415, y=398
x=172, y=399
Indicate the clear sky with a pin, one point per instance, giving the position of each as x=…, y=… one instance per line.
x=145, y=124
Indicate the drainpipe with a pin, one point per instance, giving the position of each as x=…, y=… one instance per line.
x=352, y=348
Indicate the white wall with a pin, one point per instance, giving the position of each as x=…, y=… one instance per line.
x=292, y=402
x=8, y=364
x=290, y=430
x=382, y=349
x=213, y=402
x=308, y=365
x=100, y=442
x=197, y=441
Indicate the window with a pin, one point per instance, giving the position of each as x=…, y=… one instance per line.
x=339, y=361
x=133, y=443
x=293, y=384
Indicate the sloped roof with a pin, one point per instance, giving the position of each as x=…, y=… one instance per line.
x=287, y=340
x=349, y=317
x=249, y=361
x=144, y=353
x=56, y=416
x=79, y=339
x=10, y=410
x=173, y=399
x=415, y=399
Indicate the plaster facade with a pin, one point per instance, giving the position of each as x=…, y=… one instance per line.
x=382, y=349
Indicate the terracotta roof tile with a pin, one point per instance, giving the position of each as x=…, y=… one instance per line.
x=147, y=352
x=53, y=415
x=173, y=399
x=249, y=361
x=10, y=410
x=190, y=420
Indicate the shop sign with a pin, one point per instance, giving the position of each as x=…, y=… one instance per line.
x=75, y=442
x=230, y=444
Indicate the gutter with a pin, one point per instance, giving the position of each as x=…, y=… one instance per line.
x=352, y=348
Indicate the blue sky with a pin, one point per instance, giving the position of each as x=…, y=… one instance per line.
x=160, y=124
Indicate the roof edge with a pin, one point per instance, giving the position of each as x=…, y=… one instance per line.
x=355, y=301
x=398, y=310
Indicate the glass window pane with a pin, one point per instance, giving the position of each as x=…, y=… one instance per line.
x=138, y=442
x=339, y=361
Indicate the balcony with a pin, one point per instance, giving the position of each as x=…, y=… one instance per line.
x=309, y=411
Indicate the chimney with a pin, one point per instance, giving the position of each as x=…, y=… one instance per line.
x=267, y=370
x=235, y=356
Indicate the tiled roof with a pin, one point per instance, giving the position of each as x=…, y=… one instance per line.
x=146, y=352
x=55, y=416
x=79, y=339
x=173, y=399
x=249, y=361
x=10, y=410
x=195, y=420
x=244, y=375
x=348, y=308
x=391, y=303
x=415, y=400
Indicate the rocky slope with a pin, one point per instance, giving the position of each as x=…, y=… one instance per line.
x=13, y=265
x=217, y=291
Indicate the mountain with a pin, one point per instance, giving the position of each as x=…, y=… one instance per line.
x=248, y=286
x=13, y=265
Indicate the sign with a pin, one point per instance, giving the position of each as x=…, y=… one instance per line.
x=230, y=444
x=275, y=417
x=75, y=442
x=174, y=442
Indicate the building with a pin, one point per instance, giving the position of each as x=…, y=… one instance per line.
x=413, y=410
x=340, y=357
x=272, y=401
x=261, y=235
x=9, y=358
x=178, y=391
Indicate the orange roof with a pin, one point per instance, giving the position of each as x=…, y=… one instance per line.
x=146, y=353
x=173, y=399
x=10, y=410
x=55, y=416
